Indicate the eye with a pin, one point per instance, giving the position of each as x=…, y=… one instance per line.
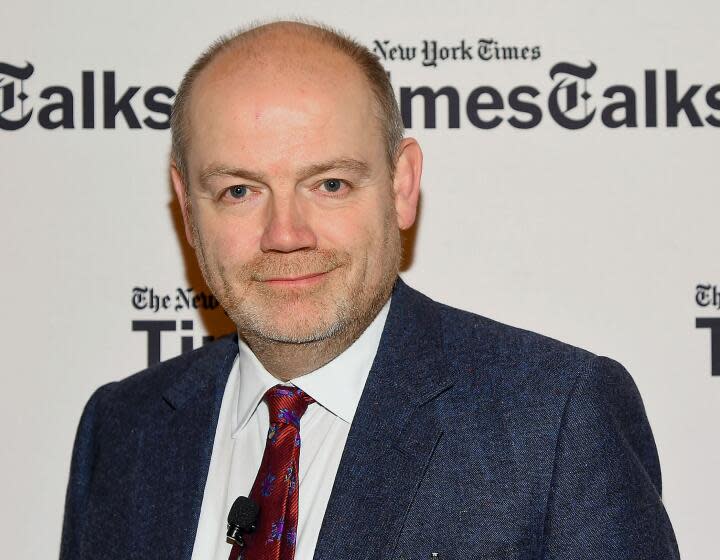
x=238, y=191
x=332, y=185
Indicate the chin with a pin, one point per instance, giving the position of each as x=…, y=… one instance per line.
x=297, y=332
x=293, y=323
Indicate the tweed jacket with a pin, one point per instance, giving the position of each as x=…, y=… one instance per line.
x=472, y=440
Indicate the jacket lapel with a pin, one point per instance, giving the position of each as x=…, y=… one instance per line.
x=177, y=450
x=394, y=433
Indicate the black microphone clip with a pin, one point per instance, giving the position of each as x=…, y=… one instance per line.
x=241, y=519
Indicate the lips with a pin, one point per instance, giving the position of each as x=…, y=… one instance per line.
x=303, y=280
x=294, y=278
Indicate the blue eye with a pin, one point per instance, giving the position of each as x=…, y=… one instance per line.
x=332, y=185
x=238, y=191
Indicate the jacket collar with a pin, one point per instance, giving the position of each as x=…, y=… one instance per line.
x=411, y=337
x=336, y=386
x=393, y=436
x=212, y=370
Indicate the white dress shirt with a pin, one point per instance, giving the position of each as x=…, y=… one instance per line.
x=242, y=431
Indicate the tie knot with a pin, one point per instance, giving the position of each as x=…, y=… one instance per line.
x=287, y=404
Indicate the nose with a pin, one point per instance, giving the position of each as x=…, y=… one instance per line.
x=286, y=229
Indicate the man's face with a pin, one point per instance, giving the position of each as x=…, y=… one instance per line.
x=291, y=205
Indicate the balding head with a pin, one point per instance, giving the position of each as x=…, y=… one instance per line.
x=294, y=184
x=276, y=51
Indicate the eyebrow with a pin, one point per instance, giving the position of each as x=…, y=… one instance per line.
x=356, y=166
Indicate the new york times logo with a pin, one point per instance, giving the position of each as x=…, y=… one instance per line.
x=707, y=296
x=13, y=114
x=151, y=300
x=431, y=53
x=58, y=104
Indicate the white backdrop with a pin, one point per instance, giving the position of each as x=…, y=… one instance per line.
x=596, y=236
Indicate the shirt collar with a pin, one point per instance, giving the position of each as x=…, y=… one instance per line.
x=337, y=386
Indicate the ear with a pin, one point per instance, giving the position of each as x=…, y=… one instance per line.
x=406, y=182
x=182, y=195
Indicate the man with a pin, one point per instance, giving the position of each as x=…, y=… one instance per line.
x=365, y=420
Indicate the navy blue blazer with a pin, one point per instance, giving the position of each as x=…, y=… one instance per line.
x=472, y=439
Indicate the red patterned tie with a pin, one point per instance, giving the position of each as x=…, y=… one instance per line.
x=276, y=487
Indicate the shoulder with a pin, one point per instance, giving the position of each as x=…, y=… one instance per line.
x=519, y=367
x=517, y=349
x=138, y=394
x=541, y=386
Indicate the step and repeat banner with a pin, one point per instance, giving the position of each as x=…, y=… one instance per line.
x=570, y=187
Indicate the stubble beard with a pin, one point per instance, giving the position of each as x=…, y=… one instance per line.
x=256, y=309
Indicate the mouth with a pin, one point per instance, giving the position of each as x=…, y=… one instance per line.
x=296, y=281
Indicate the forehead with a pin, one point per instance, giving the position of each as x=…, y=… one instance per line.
x=287, y=105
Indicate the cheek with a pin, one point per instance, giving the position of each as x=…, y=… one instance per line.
x=227, y=239
x=359, y=231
